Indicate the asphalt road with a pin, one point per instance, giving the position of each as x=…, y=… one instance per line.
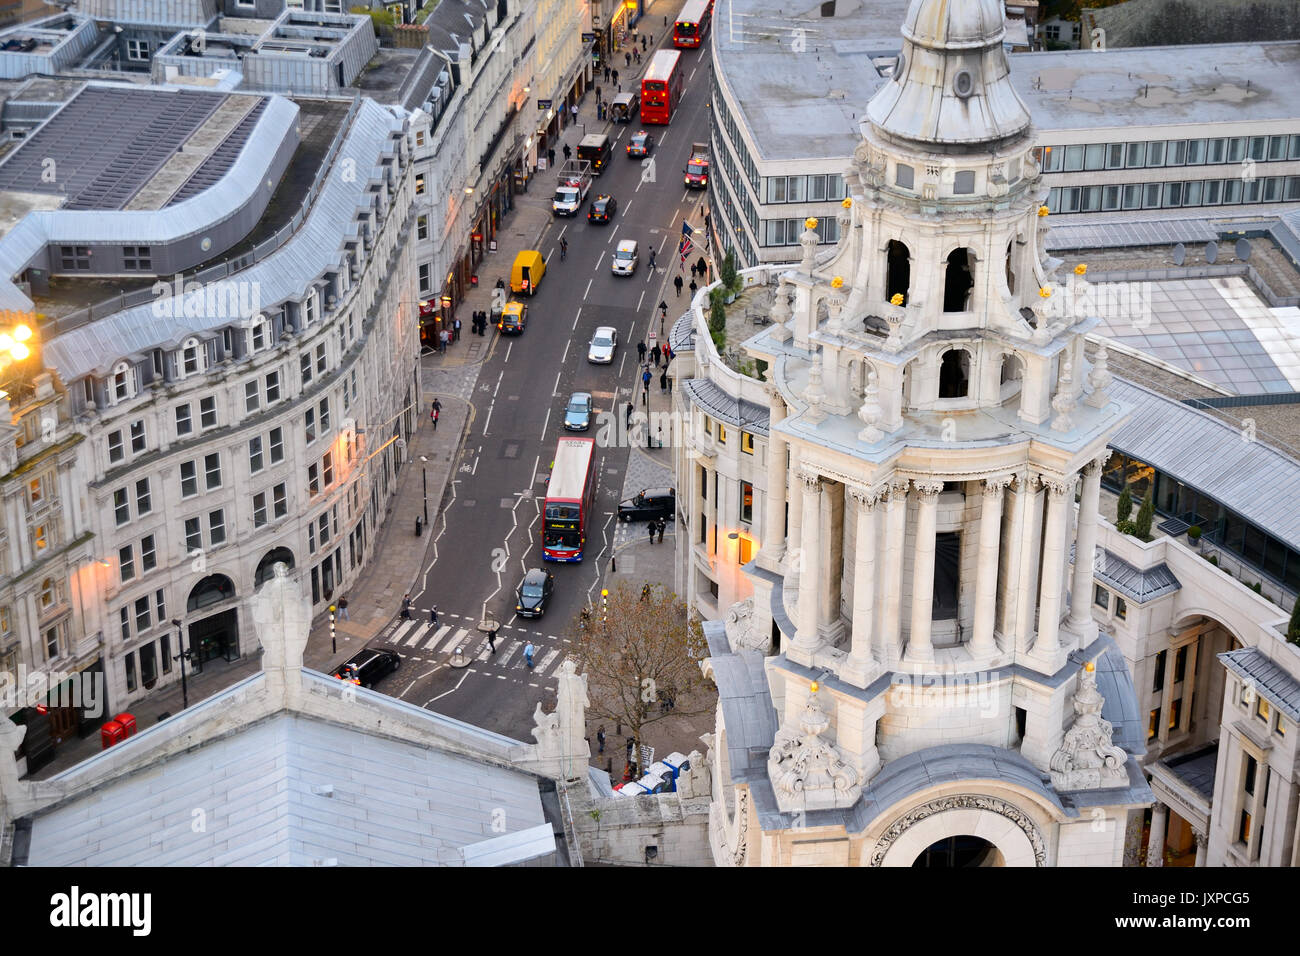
x=490, y=532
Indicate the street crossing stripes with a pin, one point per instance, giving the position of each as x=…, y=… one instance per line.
x=546, y=660
x=423, y=637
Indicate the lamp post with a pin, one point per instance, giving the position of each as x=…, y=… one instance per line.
x=334, y=647
x=424, y=470
x=183, y=655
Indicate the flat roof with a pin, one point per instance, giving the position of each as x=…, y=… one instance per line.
x=815, y=112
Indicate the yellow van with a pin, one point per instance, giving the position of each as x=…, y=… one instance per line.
x=527, y=271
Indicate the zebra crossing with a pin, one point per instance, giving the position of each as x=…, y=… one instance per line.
x=420, y=641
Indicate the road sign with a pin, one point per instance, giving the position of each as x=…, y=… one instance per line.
x=544, y=104
x=647, y=756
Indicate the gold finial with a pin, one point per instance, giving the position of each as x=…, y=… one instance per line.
x=1045, y=293
x=896, y=299
x=1042, y=211
x=810, y=223
x=813, y=688
x=837, y=283
x=848, y=203
x=1080, y=269
x=1090, y=667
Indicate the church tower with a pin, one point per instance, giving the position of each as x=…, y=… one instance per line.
x=941, y=691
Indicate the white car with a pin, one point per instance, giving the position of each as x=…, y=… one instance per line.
x=603, y=344
x=625, y=258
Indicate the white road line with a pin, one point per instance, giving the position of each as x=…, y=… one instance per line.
x=613, y=233
x=508, y=348
x=510, y=652
x=556, y=390
x=588, y=292
x=566, y=350
x=546, y=423
x=488, y=419
x=536, y=461
x=638, y=305
x=446, y=692
x=577, y=315
x=454, y=642
x=620, y=364
x=627, y=207
x=545, y=662
x=401, y=632
x=691, y=77
x=599, y=257
x=437, y=637
x=474, y=470
x=419, y=633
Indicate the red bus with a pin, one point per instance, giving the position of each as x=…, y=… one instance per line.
x=693, y=24
x=570, y=500
x=661, y=87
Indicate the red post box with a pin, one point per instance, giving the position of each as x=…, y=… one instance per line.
x=109, y=734
x=128, y=724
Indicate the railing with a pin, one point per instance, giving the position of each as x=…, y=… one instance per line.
x=222, y=270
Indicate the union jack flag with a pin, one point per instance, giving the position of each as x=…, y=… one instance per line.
x=685, y=246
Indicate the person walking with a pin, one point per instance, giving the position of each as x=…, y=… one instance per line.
x=670, y=384
x=663, y=380
x=456, y=330
x=643, y=46
x=568, y=153
x=433, y=418
x=606, y=72
x=627, y=59
x=598, y=94
x=652, y=260
x=650, y=528
x=550, y=156
x=631, y=745
x=694, y=288
x=645, y=378
x=406, y=607
x=693, y=270
x=600, y=739
x=654, y=353
x=645, y=589
x=627, y=415
x=662, y=525
x=703, y=267
x=668, y=354
x=492, y=640
x=663, y=311
x=640, y=352
x=433, y=615
x=529, y=650
x=343, y=609
x=677, y=281
x=564, y=248
x=617, y=83
x=573, y=111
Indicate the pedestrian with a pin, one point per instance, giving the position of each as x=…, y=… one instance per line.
x=645, y=378
x=598, y=94
x=643, y=47
x=433, y=615
x=670, y=383
x=636, y=55
x=663, y=380
x=645, y=588
x=616, y=83
x=442, y=340
x=694, y=288
x=343, y=609
x=640, y=352
x=650, y=527
x=662, y=527
x=693, y=273
x=456, y=332
x=668, y=354
x=567, y=152
x=703, y=267
x=437, y=406
x=564, y=248
x=652, y=260
x=406, y=607
x=573, y=111
x=663, y=310
x=677, y=281
x=631, y=745
x=550, y=156
x=606, y=72
x=433, y=417
x=529, y=650
x=492, y=639
x=627, y=59
x=655, y=352
x=627, y=416
x=600, y=112
x=600, y=739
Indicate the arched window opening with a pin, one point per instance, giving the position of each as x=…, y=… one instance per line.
x=213, y=589
x=123, y=382
x=190, y=357
x=954, y=374
x=898, y=265
x=1011, y=270
x=958, y=281
x=266, y=567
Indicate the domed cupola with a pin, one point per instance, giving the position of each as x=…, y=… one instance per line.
x=951, y=87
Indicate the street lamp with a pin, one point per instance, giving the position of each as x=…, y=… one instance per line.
x=424, y=470
x=334, y=647
x=182, y=656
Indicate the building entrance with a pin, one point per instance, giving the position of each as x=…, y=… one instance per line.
x=959, y=851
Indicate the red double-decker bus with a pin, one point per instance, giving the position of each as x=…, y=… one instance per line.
x=570, y=500
x=693, y=24
x=661, y=87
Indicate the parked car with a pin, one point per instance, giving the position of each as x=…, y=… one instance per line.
x=640, y=144
x=602, y=209
x=577, y=414
x=625, y=258
x=368, y=666
x=649, y=504
x=513, y=318
x=603, y=345
x=533, y=593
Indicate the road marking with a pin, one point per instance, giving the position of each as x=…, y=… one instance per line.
x=401, y=631
x=588, y=292
x=536, y=461
x=614, y=231
x=451, y=644
x=566, y=350
x=510, y=652
x=640, y=300
x=419, y=633
x=691, y=77
x=546, y=661
x=508, y=348
x=546, y=423
x=437, y=637
x=446, y=692
x=599, y=257
x=577, y=315
x=556, y=390
x=620, y=364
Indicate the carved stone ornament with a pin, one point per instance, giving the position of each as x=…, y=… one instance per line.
x=1087, y=759
x=741, y=635
x=1099, y=380
x=866, y=497
x=961, y=802
x=871, y=411
x=807, y=773
x=729, y=837
x=809, y=240
x=1057, y=487
x=1063, y=403
x=993, y=487
x=698, y=780
x=781, y=312
x=811, y=481
x=814, y=394
x=927, y=488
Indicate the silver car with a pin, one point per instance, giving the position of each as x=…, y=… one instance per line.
x=625, y=258
x=603, y=344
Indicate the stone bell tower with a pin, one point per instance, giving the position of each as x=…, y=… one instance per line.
x=931, y=419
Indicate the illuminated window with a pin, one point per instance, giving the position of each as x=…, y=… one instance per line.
x=747, y=443
x=746, y=501
x=1262, y=710
x=722, y=433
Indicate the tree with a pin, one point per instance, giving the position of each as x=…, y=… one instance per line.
x=1145, y=515
x=1293, y=628
x=642, y=663
x=1125, y=506
x=727, y=273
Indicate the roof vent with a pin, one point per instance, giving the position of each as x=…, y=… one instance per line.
x=828, y=8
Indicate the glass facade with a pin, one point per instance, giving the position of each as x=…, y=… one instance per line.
x=1219, y=525
x=1171, y=195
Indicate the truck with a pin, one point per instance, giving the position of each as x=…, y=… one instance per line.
x=571, y=187
x=697, y=168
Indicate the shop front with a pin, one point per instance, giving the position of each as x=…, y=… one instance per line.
x=69, y=711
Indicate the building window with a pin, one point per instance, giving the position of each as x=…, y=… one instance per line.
x=1153, y=724
x=272, y=387
x=137, y=50
x=1121, y=608
x=142, y=621
x=191, y=362
x=49, y=596
x=304, y=365
x=124, y=618
x=252, y=396
x=136, y=258
x=1101, y=597
x=425, y=286
x=148, y=554
x=138, y=441
x=121, y=508
x=1158, y=681
x=126, y=563
x=74, y=257
x=116, y=451
x=280, y=500
x=143, y=497
x=963, y=183
x=309, y=425
x=259, y=509
x=327, y=470
x=189, y=479
x=255, y=454
x=130, y=671
x=217, y=527
x=746, y=501
x=1262, y=709
x=259, y=335
x=324, y=415
x=165, y=651
x=422, y=227
x=313, y=480
x=747, y=443
x=123, y=382
x=419, y=184
x=193, y=535
x=721, y=433
x=212, y=471
x=277, y=445
x=208, y=412
x=1280, y=728
x=904, y=176
x=160, y=605
x=184, y=421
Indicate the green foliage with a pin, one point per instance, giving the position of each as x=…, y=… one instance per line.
x=1125, y=526
x=1194, y=532
x=380, y=17
x=761, y=370
x=718, y=317
x=719, y=339
x=1293, y=627
x=1212, y=558
x=1145, y=516
x=1257, y=587
x=1125, y=506
x=424, y=12
x=727, y=272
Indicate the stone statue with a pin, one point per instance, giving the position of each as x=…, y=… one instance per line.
x=808, y=773
x=282, y=617
x=11, y=789
x=739, y=625
x=546, y=731
x=1086, y=759
x=698, y=780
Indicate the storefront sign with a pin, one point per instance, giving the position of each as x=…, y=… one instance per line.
x=544, y=104
x=589, y=38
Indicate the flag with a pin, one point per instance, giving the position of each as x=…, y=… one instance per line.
x=684, y=247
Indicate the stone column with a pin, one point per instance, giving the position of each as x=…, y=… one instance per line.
x=710, y=510
x=794, y=542
x=1156, y=838
x=1027, y=587
x=1085, y=546
x=831, y=561
x=858, y=669
x=891, y=585
x=919, y=647
x=1049, y=601
x=774, y=519
x=806, y=641
x=1202, y=843
x=986, y=574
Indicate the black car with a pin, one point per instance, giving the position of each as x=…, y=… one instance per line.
x=533, y=593
x=602, y=209
x=640, y=144
x=649, y=504
x=367, y=667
